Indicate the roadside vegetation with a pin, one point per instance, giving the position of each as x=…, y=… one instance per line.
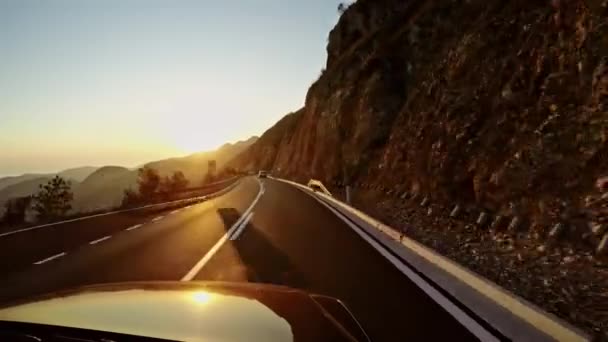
x=152, y=188
x=54, y=200
x=51, y=203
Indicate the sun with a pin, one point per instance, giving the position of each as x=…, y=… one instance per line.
x=192, y=136
x=193, y=127
x=201, y=297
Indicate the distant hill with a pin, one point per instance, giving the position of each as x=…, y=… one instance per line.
x=194, y=166
x=23, y=188
x=8, y=181
x=103, y=188
x=78, y=173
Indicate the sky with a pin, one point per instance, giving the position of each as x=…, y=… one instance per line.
x=123, y=82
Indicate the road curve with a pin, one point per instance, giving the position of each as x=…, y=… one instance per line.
x=266, y=231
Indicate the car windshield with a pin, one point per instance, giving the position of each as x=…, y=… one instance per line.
x=411, y=170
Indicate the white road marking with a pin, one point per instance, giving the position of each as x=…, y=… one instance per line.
x=158, y=218
x=50, y=258
x=134, y=227
x=464, y=319
x=205, y=259
x=99, y=240
x=242, y=226
x=175, y=211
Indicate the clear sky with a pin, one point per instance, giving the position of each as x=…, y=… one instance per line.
x=123, y=82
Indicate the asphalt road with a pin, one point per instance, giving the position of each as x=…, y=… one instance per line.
x=278, y=234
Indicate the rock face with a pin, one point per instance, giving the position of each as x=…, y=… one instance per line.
x=499, y=104
x=264, y=153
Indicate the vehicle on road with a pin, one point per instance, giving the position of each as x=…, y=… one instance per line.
x=262, y=174
x=193, y=311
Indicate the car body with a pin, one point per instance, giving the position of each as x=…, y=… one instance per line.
x=262, y=174
x=182, y=311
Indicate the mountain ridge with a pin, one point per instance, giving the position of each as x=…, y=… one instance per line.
x=102, y=187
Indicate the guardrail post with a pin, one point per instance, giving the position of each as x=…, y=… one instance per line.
x=348, y=194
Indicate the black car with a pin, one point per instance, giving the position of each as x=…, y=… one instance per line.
x=180, y=311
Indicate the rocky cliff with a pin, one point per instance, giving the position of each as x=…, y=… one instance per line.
x=498, y=106
x=501, y=105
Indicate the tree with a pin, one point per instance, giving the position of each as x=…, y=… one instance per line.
x=164, y=188
x=170, y=185
x=230, y=171
x=130, y=198
x=178, y=181
x=209, y=178
x=15, y=209
x=148, y=182
x=53, y=199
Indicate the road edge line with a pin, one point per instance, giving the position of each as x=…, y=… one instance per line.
x=462, y=317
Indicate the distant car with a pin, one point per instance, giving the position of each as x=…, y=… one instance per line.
x=178, y=311
x=263, y=174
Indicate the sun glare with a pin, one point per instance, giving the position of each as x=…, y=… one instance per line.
x=201, y=297
x=190, y=136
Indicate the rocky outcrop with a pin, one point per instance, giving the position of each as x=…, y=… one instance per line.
x=498, y=104
x=264, y=153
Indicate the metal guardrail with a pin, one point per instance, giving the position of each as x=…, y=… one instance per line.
x=510, y=314
x=179, y=202
x=317, y=185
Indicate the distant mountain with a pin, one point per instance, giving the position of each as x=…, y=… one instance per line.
x=78, y=173
x=8, y=181
x=195, y=165
x=103, y=188
x=23, y=188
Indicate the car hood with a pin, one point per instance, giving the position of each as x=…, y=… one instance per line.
x=188, y=312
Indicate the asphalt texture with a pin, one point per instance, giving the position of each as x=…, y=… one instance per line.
x=290, y=239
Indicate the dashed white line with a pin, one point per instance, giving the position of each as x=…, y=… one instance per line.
x=99, y=240
x=175, y=211
x=241, y=227
x=50, y=258
x=134, y=227
x=158, y=218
